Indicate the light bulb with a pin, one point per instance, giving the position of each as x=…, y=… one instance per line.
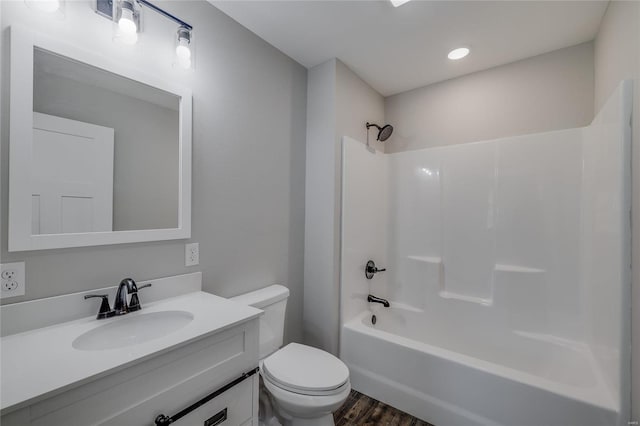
x=126, y=23
x=182, y=50
x=127, y=26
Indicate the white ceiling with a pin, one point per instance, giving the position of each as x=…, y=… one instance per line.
x=398, y=49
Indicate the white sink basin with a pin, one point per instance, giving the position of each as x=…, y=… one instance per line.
x=132, y=330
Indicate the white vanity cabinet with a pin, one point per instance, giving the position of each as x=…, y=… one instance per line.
x=204, y=373
x=165, y=384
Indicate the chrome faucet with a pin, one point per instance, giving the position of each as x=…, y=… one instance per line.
x=374, y=299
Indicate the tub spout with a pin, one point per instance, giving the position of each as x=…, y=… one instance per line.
x=373, y=299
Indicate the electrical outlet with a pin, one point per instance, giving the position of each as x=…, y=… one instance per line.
x=12, y=279
x=9, y=285
x=192, y=254
x=9, y=274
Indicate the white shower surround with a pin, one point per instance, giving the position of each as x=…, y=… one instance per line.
x=508, y=273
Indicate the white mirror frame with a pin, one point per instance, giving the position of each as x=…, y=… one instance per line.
x=23, y=42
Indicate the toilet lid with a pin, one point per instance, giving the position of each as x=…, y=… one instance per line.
x=303, y=368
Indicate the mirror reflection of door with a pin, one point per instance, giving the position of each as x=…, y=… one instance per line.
x=72, y=188
x=146, y=146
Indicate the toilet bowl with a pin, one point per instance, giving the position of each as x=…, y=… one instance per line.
x=304, y=384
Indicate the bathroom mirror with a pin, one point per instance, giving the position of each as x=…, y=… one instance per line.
x=99, y=153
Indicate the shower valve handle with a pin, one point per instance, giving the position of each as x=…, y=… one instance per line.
x=370, y=270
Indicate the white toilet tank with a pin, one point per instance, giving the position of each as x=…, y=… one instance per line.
x=273, y=301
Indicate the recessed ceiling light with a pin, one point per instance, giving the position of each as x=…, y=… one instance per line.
x=397, y=3
x=458, y=53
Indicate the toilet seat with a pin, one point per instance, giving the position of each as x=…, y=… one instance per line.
x=305, y=370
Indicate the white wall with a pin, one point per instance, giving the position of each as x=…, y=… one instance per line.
x=249, y=109
x=617, y=57
x=339, y=103
x=547, y=92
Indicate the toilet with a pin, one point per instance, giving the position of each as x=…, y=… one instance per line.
x=302, y=386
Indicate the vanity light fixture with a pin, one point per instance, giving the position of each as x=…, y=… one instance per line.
x=127, y=13
x=458, y=53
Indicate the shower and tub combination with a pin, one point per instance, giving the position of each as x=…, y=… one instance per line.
x=507, y=276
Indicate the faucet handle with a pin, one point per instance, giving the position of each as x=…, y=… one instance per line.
x=371, y=269
x=134, y=304
x=105, y=310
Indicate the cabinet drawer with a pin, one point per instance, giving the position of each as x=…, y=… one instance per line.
x=237, y=401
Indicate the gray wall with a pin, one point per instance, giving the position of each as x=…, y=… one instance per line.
x=249, y=113
x=146, y=156
x=617, y=57
x=547, y=92
x=321, y=289
x=339, y=104
x=356, y=104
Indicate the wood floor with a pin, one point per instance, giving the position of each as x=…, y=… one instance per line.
x=360, y=410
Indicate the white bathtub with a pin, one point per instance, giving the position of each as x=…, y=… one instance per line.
x=449, y=374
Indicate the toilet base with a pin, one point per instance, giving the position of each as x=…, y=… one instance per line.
x=326, y=420
x=268, y=415
x=270, y=418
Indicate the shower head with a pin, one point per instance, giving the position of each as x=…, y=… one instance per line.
x=384, y=132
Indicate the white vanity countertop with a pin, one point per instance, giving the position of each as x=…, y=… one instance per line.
x=39, y=363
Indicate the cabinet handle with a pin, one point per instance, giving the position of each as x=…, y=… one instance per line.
x=216, y=419
x=162, y=420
